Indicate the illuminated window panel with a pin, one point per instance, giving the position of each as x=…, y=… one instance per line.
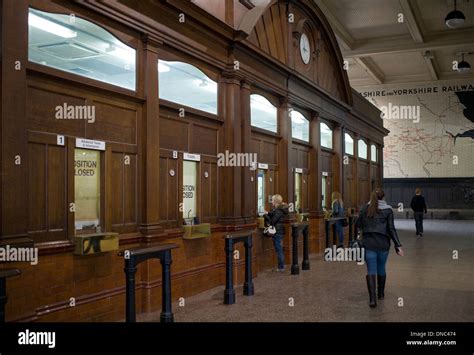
x=299, y=126
x=349, y=144
x=190, y=169
x=263, y=114
x=373, y=153
x=185, y=84
x=362, y=149
x=78, y=46
x=326, y=135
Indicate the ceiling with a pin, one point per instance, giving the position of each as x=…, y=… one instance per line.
x=382, y=51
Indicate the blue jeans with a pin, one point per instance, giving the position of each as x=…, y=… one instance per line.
x=376, y=261
x=339, y=231
x=277, y=243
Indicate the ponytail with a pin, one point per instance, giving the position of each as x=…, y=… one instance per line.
x=375, y=196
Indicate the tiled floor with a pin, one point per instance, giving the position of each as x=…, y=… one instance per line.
x=430, y=283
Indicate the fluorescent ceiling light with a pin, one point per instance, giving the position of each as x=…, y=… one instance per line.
x=49, y=26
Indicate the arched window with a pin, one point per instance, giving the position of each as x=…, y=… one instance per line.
x=80, y=47
x=262, y=113
x=326, y=135
x=373, y=153
x=349, y=144
x=185, y=84
x=362, y=149
x=299, y=126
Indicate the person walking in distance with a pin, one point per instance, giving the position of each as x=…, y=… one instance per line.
x=338, y=211
x=275, y=218
x=418, y=206
x=377, y=228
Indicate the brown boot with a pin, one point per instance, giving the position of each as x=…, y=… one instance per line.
x=371, y=286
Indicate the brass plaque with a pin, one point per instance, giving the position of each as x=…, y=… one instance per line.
x=87, y=244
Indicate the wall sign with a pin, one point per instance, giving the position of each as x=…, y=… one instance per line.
x=90, y=144
x=175, y=154
x=262, y=166
x=59, y=140
x=193, y=157
x=299, y=170
x=325, y=173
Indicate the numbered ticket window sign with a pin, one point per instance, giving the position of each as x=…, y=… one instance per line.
x=87, y=190
x=190, y=169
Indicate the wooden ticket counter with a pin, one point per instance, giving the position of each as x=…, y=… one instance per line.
x=167, y=122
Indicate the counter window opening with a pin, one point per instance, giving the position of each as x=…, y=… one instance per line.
x=87, y=186
x=299, y=126
x=348, y=144
x=298, y=197
x=190, y=191
x=263, y=114
x=362, y=149
x=78, y=46
x=184, y=84
x=326, y=135
x=260, y=192
x=373, y=153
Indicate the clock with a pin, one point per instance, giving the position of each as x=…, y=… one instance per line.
x=305, y=48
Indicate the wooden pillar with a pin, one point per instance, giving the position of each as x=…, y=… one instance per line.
x=248, y=186
x=355, y=176
x=315, y=165
x=230, y=202
x=338, y=166
x=285, y=173
x=150, y=144
x=13, y=126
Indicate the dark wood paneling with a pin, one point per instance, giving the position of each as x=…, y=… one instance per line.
x=47, y=192
x=203, y=140
x=173, y=134
x=113, y=123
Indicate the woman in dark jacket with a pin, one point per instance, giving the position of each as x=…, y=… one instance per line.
x=376, y=224
x=275, y=218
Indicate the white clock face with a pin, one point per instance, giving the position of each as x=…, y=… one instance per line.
x=305, y=48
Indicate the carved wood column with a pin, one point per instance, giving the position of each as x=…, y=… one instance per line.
x=338, y=166
x=315, y=165
x=150, y=145
x=285, y=174
x=230, y=200
x=248, y=186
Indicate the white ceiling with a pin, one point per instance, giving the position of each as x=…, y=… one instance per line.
x=382, y=51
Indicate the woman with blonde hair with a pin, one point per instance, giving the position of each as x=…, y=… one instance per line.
x=376, y=223
x=275, y=218
x=338, y=211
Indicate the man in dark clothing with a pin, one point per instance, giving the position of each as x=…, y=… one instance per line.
x=418, y=206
